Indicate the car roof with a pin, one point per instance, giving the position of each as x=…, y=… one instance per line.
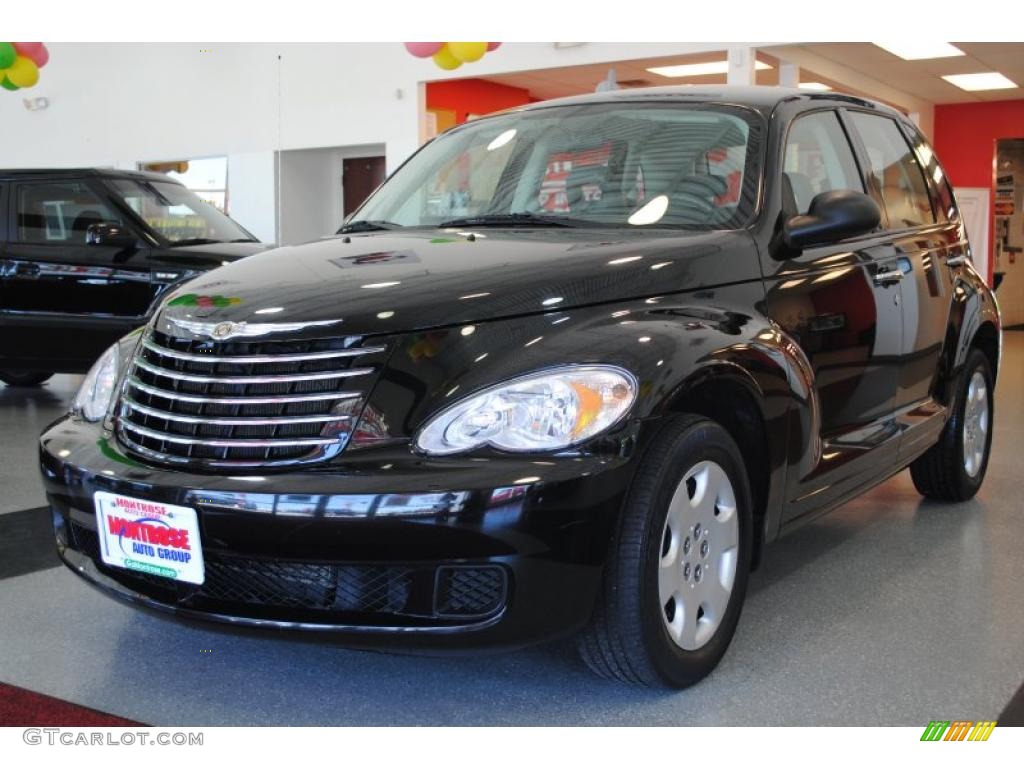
x=77, y=173
x=759, y=97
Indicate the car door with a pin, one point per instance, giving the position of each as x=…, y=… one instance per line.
x=65, y=299
x=841, y=304
x=928, y=251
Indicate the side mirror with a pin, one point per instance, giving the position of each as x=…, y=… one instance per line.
x=109, y=233
x=833, y=216
x=997, y=280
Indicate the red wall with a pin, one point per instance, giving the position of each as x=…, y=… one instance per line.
x=965, y=140
x=474, y=96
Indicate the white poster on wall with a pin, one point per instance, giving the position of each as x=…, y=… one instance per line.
x=974, y=207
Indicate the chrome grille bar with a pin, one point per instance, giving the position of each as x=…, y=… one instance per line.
x=253, y=400
x=243, y=359
x=269, y=379
x=241, y=421
x=276, y=442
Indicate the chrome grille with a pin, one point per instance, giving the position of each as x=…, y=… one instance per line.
x=244, y=403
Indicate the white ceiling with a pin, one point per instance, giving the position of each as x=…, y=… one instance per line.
x=920, y=78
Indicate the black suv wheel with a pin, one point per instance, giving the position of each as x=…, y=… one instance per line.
x=678, y=568
x=954, y=468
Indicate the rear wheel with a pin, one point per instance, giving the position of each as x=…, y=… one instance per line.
x=677, y=572
x=954, y=468
x=24, y=378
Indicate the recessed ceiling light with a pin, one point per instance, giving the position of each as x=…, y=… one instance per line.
x=694, y=70
x=815, y=87
x=980, y=81
x=921, y=49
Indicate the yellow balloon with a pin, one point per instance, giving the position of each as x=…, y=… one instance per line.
x=445, y=60
x=468, y=52
x=23, y=72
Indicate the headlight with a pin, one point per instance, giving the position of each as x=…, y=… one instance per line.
x=541, y=412
x=94, y=396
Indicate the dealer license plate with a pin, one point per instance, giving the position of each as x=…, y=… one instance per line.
x=150, y=537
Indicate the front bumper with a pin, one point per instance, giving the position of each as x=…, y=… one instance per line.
x=384, y=548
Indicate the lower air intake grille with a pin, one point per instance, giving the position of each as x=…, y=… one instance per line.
x=244, y=403
x=470, y=590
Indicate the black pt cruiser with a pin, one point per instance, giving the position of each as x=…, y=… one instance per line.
x=568, y=370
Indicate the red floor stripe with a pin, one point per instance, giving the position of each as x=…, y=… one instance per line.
x=24, y=708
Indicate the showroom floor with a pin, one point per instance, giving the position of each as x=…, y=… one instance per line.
x=889, y=611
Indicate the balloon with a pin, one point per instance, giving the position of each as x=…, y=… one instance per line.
x=493, y=46
x=41, y=57
x=467, y=51
x=7, y=55
x=27, y=49
x=423, y=50
x=5, y=83
x=23, y=72
x=445, y=60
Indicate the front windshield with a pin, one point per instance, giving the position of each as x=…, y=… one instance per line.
x=627, y=165
x=177, y=213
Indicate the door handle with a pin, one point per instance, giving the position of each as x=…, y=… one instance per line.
x=888, y=278
x=956, y=261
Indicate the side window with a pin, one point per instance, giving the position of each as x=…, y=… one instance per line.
x=817, y=159
x=57, y=212
x=894, y=171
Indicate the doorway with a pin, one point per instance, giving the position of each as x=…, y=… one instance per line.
x=1008, y=228
x=359, y=177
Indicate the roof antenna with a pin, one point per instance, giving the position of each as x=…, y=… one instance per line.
x=609, y=83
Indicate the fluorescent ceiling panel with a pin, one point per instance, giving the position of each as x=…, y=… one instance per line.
x=695, y=70
x=980, y=81
x=912, y=50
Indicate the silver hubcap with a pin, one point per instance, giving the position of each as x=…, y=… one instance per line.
x=975, y=424
x=699, y=550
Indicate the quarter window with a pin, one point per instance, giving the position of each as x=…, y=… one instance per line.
x=894, y=172
x=58, y=213
x=818, y=159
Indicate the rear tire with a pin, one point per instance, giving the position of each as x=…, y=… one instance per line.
x=24, y=378
x=954, y=468
x=677, y=572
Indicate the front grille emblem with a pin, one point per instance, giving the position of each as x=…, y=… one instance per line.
x=229, y=330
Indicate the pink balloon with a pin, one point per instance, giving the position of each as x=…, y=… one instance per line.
x=27, y=49
x=423, y=50
x=492, y=46
x=41, y=56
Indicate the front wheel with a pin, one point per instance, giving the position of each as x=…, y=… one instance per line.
x=677, y=572
x=24, y=378
x=954, y=468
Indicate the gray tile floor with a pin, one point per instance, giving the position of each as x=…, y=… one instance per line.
x=890, y=611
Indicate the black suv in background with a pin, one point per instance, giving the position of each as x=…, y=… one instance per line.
x=571, y=368
x=86, y=255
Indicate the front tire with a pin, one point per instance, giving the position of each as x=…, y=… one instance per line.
x=677, y=571
x=954, y=468
x=24, y=378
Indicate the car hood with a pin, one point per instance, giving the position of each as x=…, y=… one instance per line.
x=206, y=256
x=401, y=281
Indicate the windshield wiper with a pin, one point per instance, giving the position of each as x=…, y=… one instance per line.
x=367, y=226
x=522, y=219
x=244, y=240
x=195, y=241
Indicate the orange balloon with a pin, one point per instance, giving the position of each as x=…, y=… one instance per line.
x=445, y=60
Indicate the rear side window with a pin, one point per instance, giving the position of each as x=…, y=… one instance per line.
x=818, y=159
x=894, y=171
x=58, y=213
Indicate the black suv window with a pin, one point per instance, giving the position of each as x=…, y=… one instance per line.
x=58, y=212
x=895, y=173
x=818, y=159
x=942, y=194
